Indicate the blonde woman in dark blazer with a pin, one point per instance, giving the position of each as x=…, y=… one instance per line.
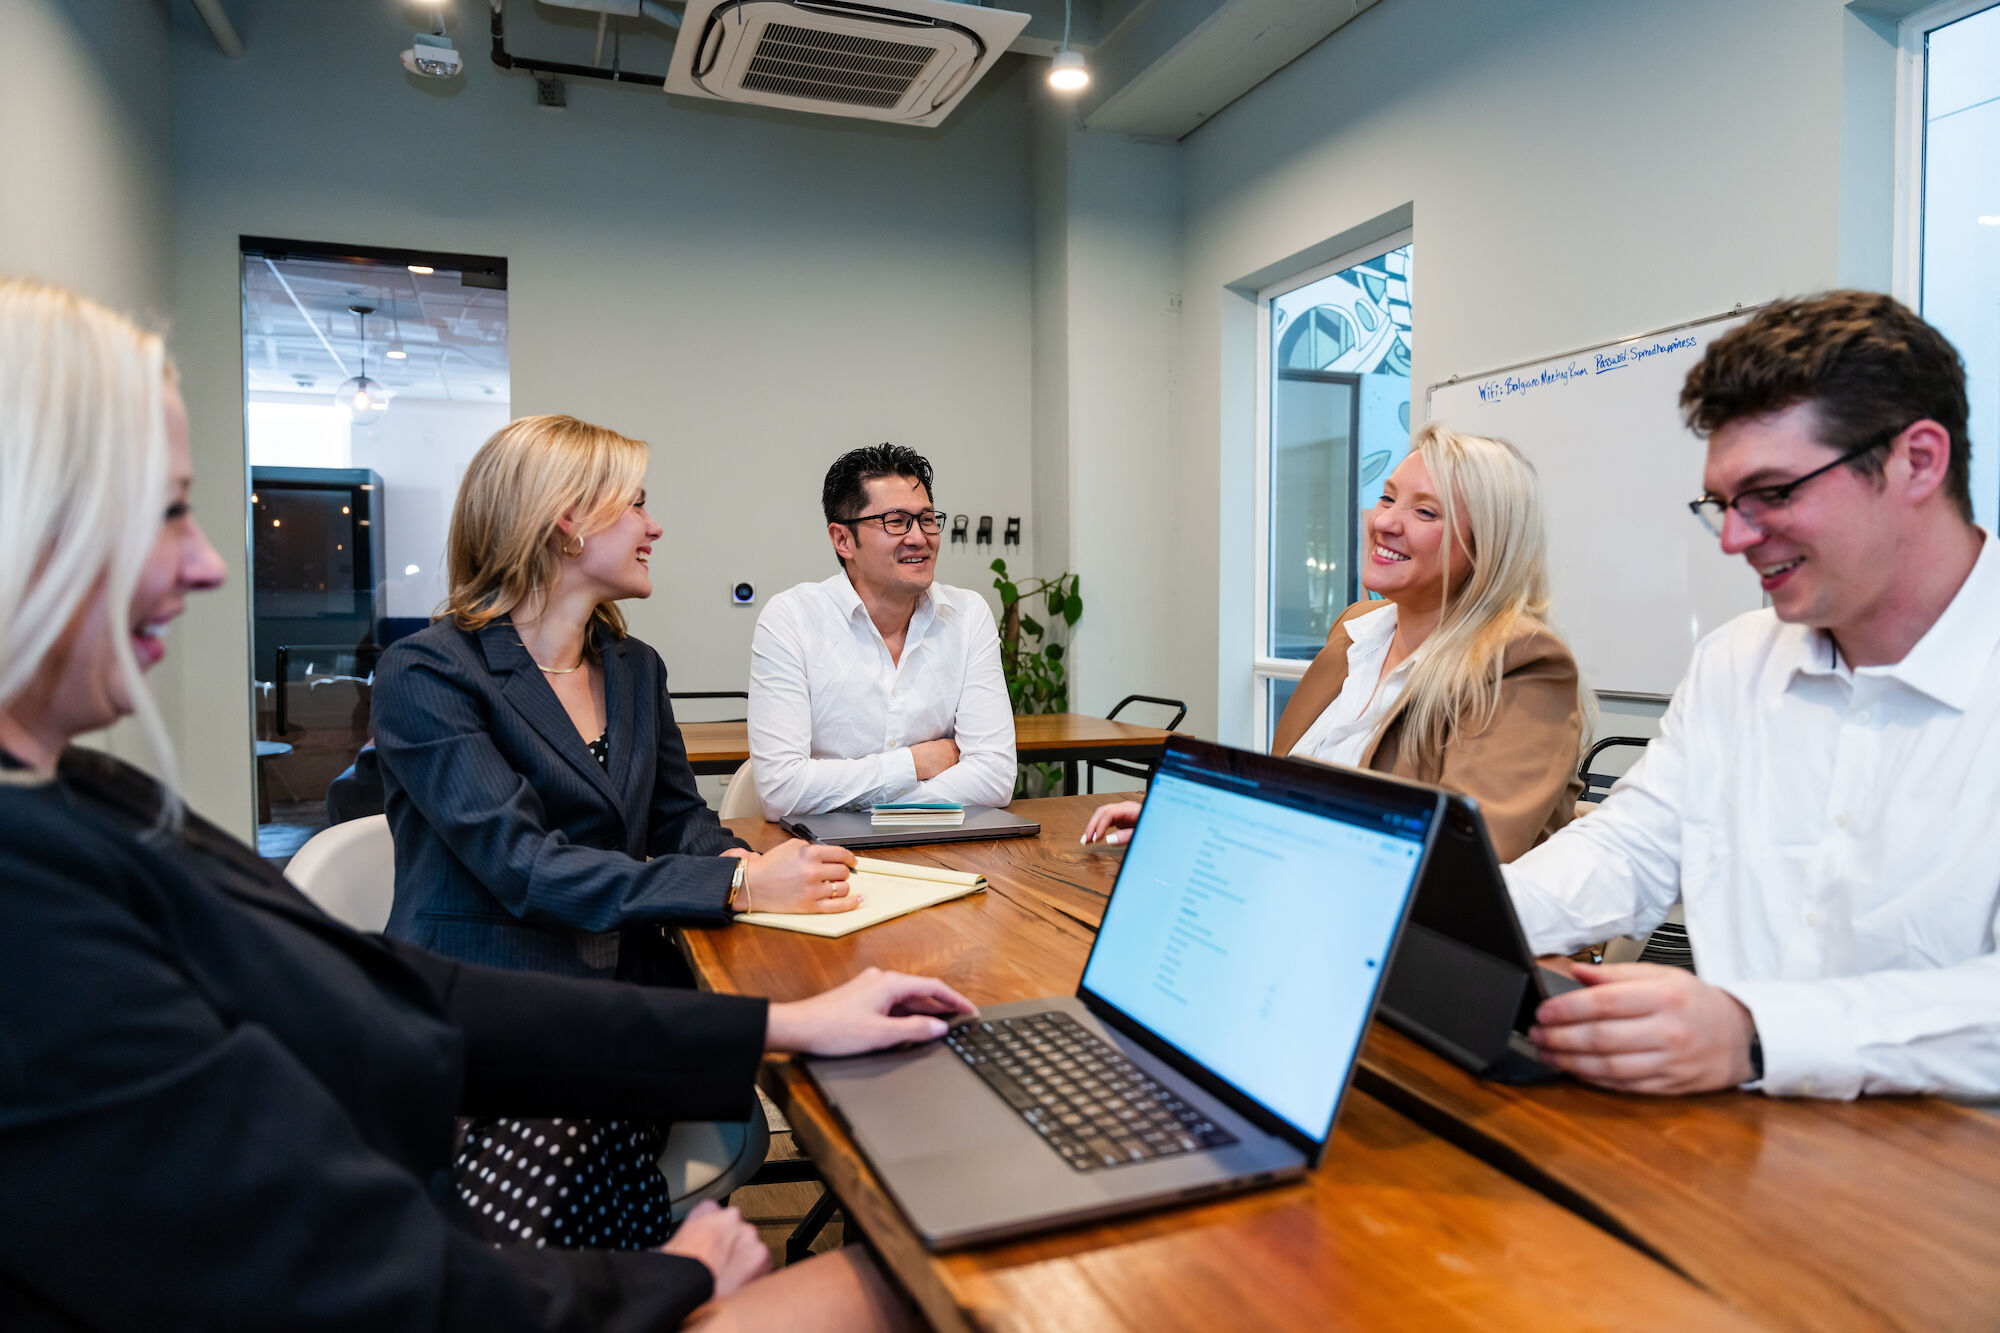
x=1454, y=676
x=221, y=1108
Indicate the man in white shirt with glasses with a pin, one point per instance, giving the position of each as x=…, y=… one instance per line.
x=1824, y=796
x=879, y=684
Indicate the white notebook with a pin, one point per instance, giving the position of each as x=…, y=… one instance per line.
x=888, y=889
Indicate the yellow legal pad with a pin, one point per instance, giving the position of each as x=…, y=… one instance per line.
x=888, y=889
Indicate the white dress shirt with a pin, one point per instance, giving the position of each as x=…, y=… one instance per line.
x=832, y=717
x=1341, y=732
x=1834, y=834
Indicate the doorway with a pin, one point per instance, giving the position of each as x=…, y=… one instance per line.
x=370, y=379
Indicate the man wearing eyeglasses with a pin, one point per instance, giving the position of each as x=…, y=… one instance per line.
x=1824, y=796
x=879, y=684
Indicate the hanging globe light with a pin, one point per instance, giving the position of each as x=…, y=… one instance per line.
x=362, y=400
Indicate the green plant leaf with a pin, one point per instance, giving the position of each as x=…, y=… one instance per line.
x=1054, y=651
x=1055, y=600
x=1032, y=626
x=1073, y=609
x=998, y=566
x=1008, y=592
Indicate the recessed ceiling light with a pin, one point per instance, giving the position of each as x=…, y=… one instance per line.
x=425, y=269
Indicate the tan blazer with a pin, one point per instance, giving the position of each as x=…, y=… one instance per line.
x=1521, y=768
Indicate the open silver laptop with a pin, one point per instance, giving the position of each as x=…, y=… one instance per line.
x=1212, y=1034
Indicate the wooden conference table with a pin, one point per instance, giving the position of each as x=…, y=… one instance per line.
x=1443, y=1200
x=1044, y=738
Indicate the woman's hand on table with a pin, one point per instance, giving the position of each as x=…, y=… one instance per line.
x=872, y=1010
x=721, y=1239
x=799, y=876
x=1113, y=823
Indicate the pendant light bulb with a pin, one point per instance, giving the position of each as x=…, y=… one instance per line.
x=360, y=399
x=1067, y=72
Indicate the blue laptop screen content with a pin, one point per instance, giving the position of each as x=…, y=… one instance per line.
x=1251, y=935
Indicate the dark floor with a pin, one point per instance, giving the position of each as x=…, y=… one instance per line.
x=292, y=822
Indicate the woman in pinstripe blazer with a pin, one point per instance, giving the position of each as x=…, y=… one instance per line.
x=532, y=767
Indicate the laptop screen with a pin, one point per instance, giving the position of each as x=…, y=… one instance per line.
x=1252, y=921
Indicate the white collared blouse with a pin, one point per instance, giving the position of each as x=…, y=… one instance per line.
x=1341, y=732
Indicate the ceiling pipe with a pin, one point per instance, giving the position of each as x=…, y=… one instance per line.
x=507, y=60
x=220, y=28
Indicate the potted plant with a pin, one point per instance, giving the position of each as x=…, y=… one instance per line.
x=1032, y=657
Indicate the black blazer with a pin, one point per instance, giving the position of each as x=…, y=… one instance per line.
x=514, y=846
x=220, y=1109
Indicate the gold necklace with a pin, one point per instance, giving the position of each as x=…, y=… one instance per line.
x=559, y=671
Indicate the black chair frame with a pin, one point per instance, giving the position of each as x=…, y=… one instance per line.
x=713, y=694
x=1144, y=772
x=1597, y=785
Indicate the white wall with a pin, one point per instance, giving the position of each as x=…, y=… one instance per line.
x=1123, y=265
x=1575, y=171
x=420, y=449
x=1107, y=325
x=753, y=293
x=87, y=199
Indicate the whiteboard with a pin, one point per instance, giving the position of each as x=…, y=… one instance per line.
x=1635, y=579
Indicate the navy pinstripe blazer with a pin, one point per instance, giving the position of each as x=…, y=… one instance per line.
x=514, y=846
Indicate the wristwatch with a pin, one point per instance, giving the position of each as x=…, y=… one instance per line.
x=736, y=887
x=1756, y=1058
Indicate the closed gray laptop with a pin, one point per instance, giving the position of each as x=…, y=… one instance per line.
x=1211, y=1036
x=856, y=828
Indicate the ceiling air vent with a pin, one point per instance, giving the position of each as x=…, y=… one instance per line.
x=910, y=61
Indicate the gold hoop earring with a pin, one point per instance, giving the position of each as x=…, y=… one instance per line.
x=579, y=547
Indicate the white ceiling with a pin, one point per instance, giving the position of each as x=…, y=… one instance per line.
x=456, y=336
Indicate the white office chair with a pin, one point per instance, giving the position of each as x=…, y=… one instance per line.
x=739, y=796
x=349, y=870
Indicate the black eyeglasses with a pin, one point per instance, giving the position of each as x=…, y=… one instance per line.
x=896, y=522
x=1756, y=505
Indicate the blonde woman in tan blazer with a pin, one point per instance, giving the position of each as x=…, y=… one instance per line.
x=1454, y=676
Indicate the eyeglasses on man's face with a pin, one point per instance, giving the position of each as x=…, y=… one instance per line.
x=1761, y=506
x=896, y=522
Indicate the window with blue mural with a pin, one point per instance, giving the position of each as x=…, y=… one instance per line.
x=1338, y=421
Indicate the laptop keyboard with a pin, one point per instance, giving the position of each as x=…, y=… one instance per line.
x=1090, y=1103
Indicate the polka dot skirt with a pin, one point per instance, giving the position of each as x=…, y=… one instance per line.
x=573, y=1184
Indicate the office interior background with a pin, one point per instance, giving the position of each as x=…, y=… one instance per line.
x=1178, y=325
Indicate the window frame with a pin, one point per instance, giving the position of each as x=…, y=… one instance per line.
x=1906, y=275
x=1263, y=667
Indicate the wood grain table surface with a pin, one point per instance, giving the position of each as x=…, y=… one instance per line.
x=1399, y=1228
x=720, y=747
x=1882, y=1213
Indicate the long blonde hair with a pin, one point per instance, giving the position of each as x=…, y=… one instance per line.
x=504, y=538
x=83, y=483
x=1454, y=684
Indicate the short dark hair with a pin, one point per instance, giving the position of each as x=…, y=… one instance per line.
x=845, y=493
x=1868, y=364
